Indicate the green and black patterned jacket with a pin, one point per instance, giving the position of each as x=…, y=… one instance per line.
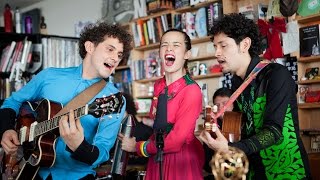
x=270, y=131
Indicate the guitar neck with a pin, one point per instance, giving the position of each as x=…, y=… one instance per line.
x=53, y=123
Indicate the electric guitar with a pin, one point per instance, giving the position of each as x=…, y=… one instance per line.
x=38, y=130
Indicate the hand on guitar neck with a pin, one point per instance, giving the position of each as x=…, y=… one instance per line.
x=230, y=123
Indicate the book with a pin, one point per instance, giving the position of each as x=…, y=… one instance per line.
x=8, y=56
x=193, y=68
x=204, y=91
x=302, y=91
x=309, y=40
x=201, y=23
x=36, y=61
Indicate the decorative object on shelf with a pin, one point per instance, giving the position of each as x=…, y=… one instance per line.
x=143, y=105
x=311, y=73
x=313, y=96
x=43, y=26
x=288, y=7
x=290, y=39
x=78, y=27
x=7, y=15
x=154, y=6
x=308, y=7
x=272, y=29
x=28, y=25
x=302, y=91
x=309, y=40
x=31, y=17
x=118, y=11
x=273, y=9
x=17, y=19
x=194, y=68
x=181, y=3
x=203, y=69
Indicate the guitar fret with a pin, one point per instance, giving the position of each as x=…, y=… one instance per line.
x=98, y=108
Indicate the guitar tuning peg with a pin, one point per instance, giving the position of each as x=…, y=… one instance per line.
x=104, y=96
x=109, y=116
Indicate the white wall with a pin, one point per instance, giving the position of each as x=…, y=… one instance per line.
x=61, y=15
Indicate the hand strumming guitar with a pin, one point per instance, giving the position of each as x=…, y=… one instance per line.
x=71, y=131
x=10, y=141
x=219, y=143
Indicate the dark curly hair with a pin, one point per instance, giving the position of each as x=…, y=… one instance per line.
x=238, y=27
x=97, y=33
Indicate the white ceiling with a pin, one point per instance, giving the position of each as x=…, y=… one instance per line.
x=16, y=3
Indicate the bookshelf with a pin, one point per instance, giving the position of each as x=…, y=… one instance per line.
x=203, y=44
x=42, y=43
x=309, y=112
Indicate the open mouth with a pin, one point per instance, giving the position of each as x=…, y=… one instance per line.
x=107, y=65
x=169, y=59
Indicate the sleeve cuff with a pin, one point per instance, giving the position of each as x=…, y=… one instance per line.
x=86, y=153
x=8, y=117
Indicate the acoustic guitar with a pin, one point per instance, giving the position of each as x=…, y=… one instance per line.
x=38, y=130
x=231, y=124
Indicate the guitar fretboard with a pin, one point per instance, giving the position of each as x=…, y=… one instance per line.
x=53, y=123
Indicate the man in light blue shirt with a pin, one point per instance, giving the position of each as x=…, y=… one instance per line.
x=83, y=144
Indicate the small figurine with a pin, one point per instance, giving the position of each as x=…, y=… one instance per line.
x=43, y=26
x=203, y=69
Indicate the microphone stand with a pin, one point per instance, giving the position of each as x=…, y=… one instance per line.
x=160, y=146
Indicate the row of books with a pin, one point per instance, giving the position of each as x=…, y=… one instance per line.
x=21, y=51
x=149, y=31
x=195, y=24
x=60, y=52
x=147, y=68
x=52, y=52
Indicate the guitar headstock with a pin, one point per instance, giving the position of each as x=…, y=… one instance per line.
x=106, y=105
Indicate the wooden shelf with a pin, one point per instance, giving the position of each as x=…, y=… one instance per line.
x=143, y=114
x=310, y=131
x=122, y=67
x=313, y=81
x=202, y=58
x=194, y=7
x=313, y=152
x=309, y=19
x=309, y=105
x=309, y=59
x=144, y=97
x=153, y=15
x=207, y=76
x=148, y=80
x=157, y=45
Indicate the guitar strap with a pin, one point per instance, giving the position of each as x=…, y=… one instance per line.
x=82, y=98
x=246, y=82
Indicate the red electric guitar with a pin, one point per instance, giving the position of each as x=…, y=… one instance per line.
x=38, y=129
